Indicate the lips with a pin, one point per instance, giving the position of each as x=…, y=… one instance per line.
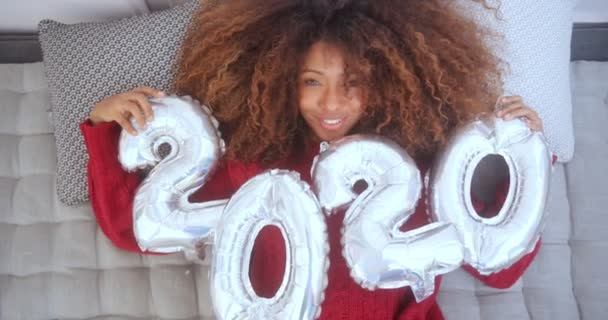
x=332, y=123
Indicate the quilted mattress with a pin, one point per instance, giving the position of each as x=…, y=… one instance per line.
x=56, y=264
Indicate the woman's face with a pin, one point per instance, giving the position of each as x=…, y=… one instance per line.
x=330, y=101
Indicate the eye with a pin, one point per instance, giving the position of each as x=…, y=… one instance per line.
x=311, y=82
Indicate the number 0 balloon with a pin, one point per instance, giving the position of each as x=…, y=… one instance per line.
x=276, y=198
x=493, y=244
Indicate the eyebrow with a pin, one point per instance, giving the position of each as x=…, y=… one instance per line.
x=315, y=71
x=311, y=70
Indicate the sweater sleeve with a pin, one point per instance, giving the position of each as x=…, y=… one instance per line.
x=112, y=189
x=507, y=277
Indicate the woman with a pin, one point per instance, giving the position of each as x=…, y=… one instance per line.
x=283, y=75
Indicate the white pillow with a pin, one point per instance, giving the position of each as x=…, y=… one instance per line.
x=536, y=45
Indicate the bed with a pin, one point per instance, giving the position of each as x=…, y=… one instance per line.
x=56, y=264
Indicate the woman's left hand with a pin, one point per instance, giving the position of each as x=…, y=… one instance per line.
x=511, y=107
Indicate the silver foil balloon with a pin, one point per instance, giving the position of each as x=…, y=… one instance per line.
x=377, y=252
x=281, y=199
x=493, y=244
x=163, y=218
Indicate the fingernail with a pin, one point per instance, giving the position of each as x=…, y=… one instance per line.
x=161, y=93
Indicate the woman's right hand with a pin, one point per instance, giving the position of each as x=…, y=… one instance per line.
x=121, y=107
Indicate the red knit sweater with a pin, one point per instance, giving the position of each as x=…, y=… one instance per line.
x=112, y=191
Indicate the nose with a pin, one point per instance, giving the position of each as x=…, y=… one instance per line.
x=333, y=98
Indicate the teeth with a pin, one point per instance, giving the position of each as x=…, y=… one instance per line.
x=332, y=121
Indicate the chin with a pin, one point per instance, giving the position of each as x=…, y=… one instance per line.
x=331, y=137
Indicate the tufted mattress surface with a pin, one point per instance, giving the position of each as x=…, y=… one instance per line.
x=56, y=264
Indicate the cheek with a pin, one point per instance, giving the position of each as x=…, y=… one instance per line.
x=306, y=102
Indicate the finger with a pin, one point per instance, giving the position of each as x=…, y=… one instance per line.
x=126, y=125
x=521, y=112
x=505, y=101
x=200, y=250
x=511, y=99
x=534, y=125
x=137, y=113
x=510, y=108
x=148, y=91
x=144, y=104
x=201, y=254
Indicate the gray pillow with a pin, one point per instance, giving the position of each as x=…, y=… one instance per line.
x=86, y=62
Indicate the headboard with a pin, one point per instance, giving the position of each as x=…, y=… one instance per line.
x=19, y=48
x=589, y=42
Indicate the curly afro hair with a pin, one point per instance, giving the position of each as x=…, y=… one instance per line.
x=427, y=66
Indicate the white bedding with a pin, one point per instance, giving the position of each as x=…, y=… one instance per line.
x=56, y=263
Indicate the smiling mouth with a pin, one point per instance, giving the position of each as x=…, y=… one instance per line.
x=332, y=124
